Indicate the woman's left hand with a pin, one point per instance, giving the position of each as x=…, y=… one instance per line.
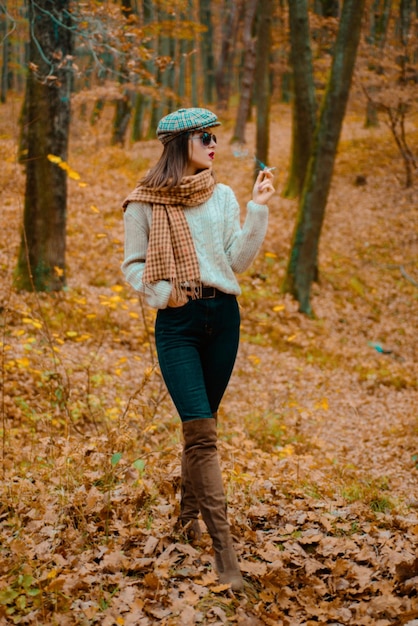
x=263, y=187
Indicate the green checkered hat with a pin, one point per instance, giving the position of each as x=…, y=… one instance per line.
x=184, y=120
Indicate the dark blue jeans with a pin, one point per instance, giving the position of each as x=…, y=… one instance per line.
x=197, y=346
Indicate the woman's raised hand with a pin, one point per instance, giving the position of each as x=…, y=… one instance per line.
x=263, y=188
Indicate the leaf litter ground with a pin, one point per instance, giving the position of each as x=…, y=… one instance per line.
x=318, y=429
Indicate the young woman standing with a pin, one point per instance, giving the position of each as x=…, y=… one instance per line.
x=184, y=243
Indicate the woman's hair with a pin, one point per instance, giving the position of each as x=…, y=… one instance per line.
x=169, y=170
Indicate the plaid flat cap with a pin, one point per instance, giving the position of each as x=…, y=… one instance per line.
x=184, y=120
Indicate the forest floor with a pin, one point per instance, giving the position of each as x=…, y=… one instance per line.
x=318, y=428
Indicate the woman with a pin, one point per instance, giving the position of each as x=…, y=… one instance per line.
x=183, y=245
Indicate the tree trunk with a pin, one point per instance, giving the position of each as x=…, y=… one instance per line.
x=123, y=106
x=206, y=47
x=304, y=104
x=247, y=80
x=6, y=50
x=122, y=117
x=41, y=263
x=265, y=19
x=405, y=18
x=303, y=259
x=379, y=20
x=330, y=8
x=223, y=76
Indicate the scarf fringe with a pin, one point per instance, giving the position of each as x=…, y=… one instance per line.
x=182, y=292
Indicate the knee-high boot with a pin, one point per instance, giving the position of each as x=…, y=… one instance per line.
x=189, y=506
x=200, y=446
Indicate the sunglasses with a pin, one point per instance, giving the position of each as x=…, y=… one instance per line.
x=206, y=138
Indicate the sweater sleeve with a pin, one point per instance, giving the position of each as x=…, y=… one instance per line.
x=137, y=222
x=243, y=243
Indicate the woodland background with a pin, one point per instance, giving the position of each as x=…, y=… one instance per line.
x=318, y=429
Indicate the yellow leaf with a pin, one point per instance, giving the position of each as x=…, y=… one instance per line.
x=278, y=307
x=134, y=315
x=58, y=270
x=52, y=573
x=287, y=450
x=271, y=255
x=120, y=621
x=292, y=337
x=322, y=404
x=71, y=333
x=83, y=337
x=357, y=286
x=101, y=235
x=23, y=362
x=74, y=175
x=54, y=159
x=94, y=208
x=28, y=320
x=117, y=288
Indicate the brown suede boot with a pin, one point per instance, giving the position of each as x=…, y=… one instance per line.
x=189, y=506
x=204, y=471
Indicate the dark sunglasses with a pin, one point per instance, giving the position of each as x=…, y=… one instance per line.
x=206, y=138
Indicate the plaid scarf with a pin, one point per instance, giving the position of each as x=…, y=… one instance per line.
x=171, y=254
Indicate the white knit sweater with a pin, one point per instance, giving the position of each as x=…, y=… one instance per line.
x=222, y=246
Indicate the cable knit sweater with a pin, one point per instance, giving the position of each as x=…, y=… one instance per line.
x=223, y=246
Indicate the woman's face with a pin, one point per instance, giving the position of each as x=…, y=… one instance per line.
x=202, y=148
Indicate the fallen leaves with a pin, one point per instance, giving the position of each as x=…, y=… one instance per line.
x=317, y=428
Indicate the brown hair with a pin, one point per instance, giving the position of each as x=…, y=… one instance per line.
x=169, y=169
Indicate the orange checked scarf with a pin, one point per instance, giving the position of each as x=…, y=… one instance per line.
x=171, y=254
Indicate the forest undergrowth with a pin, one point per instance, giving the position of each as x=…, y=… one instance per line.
x=318, y=429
